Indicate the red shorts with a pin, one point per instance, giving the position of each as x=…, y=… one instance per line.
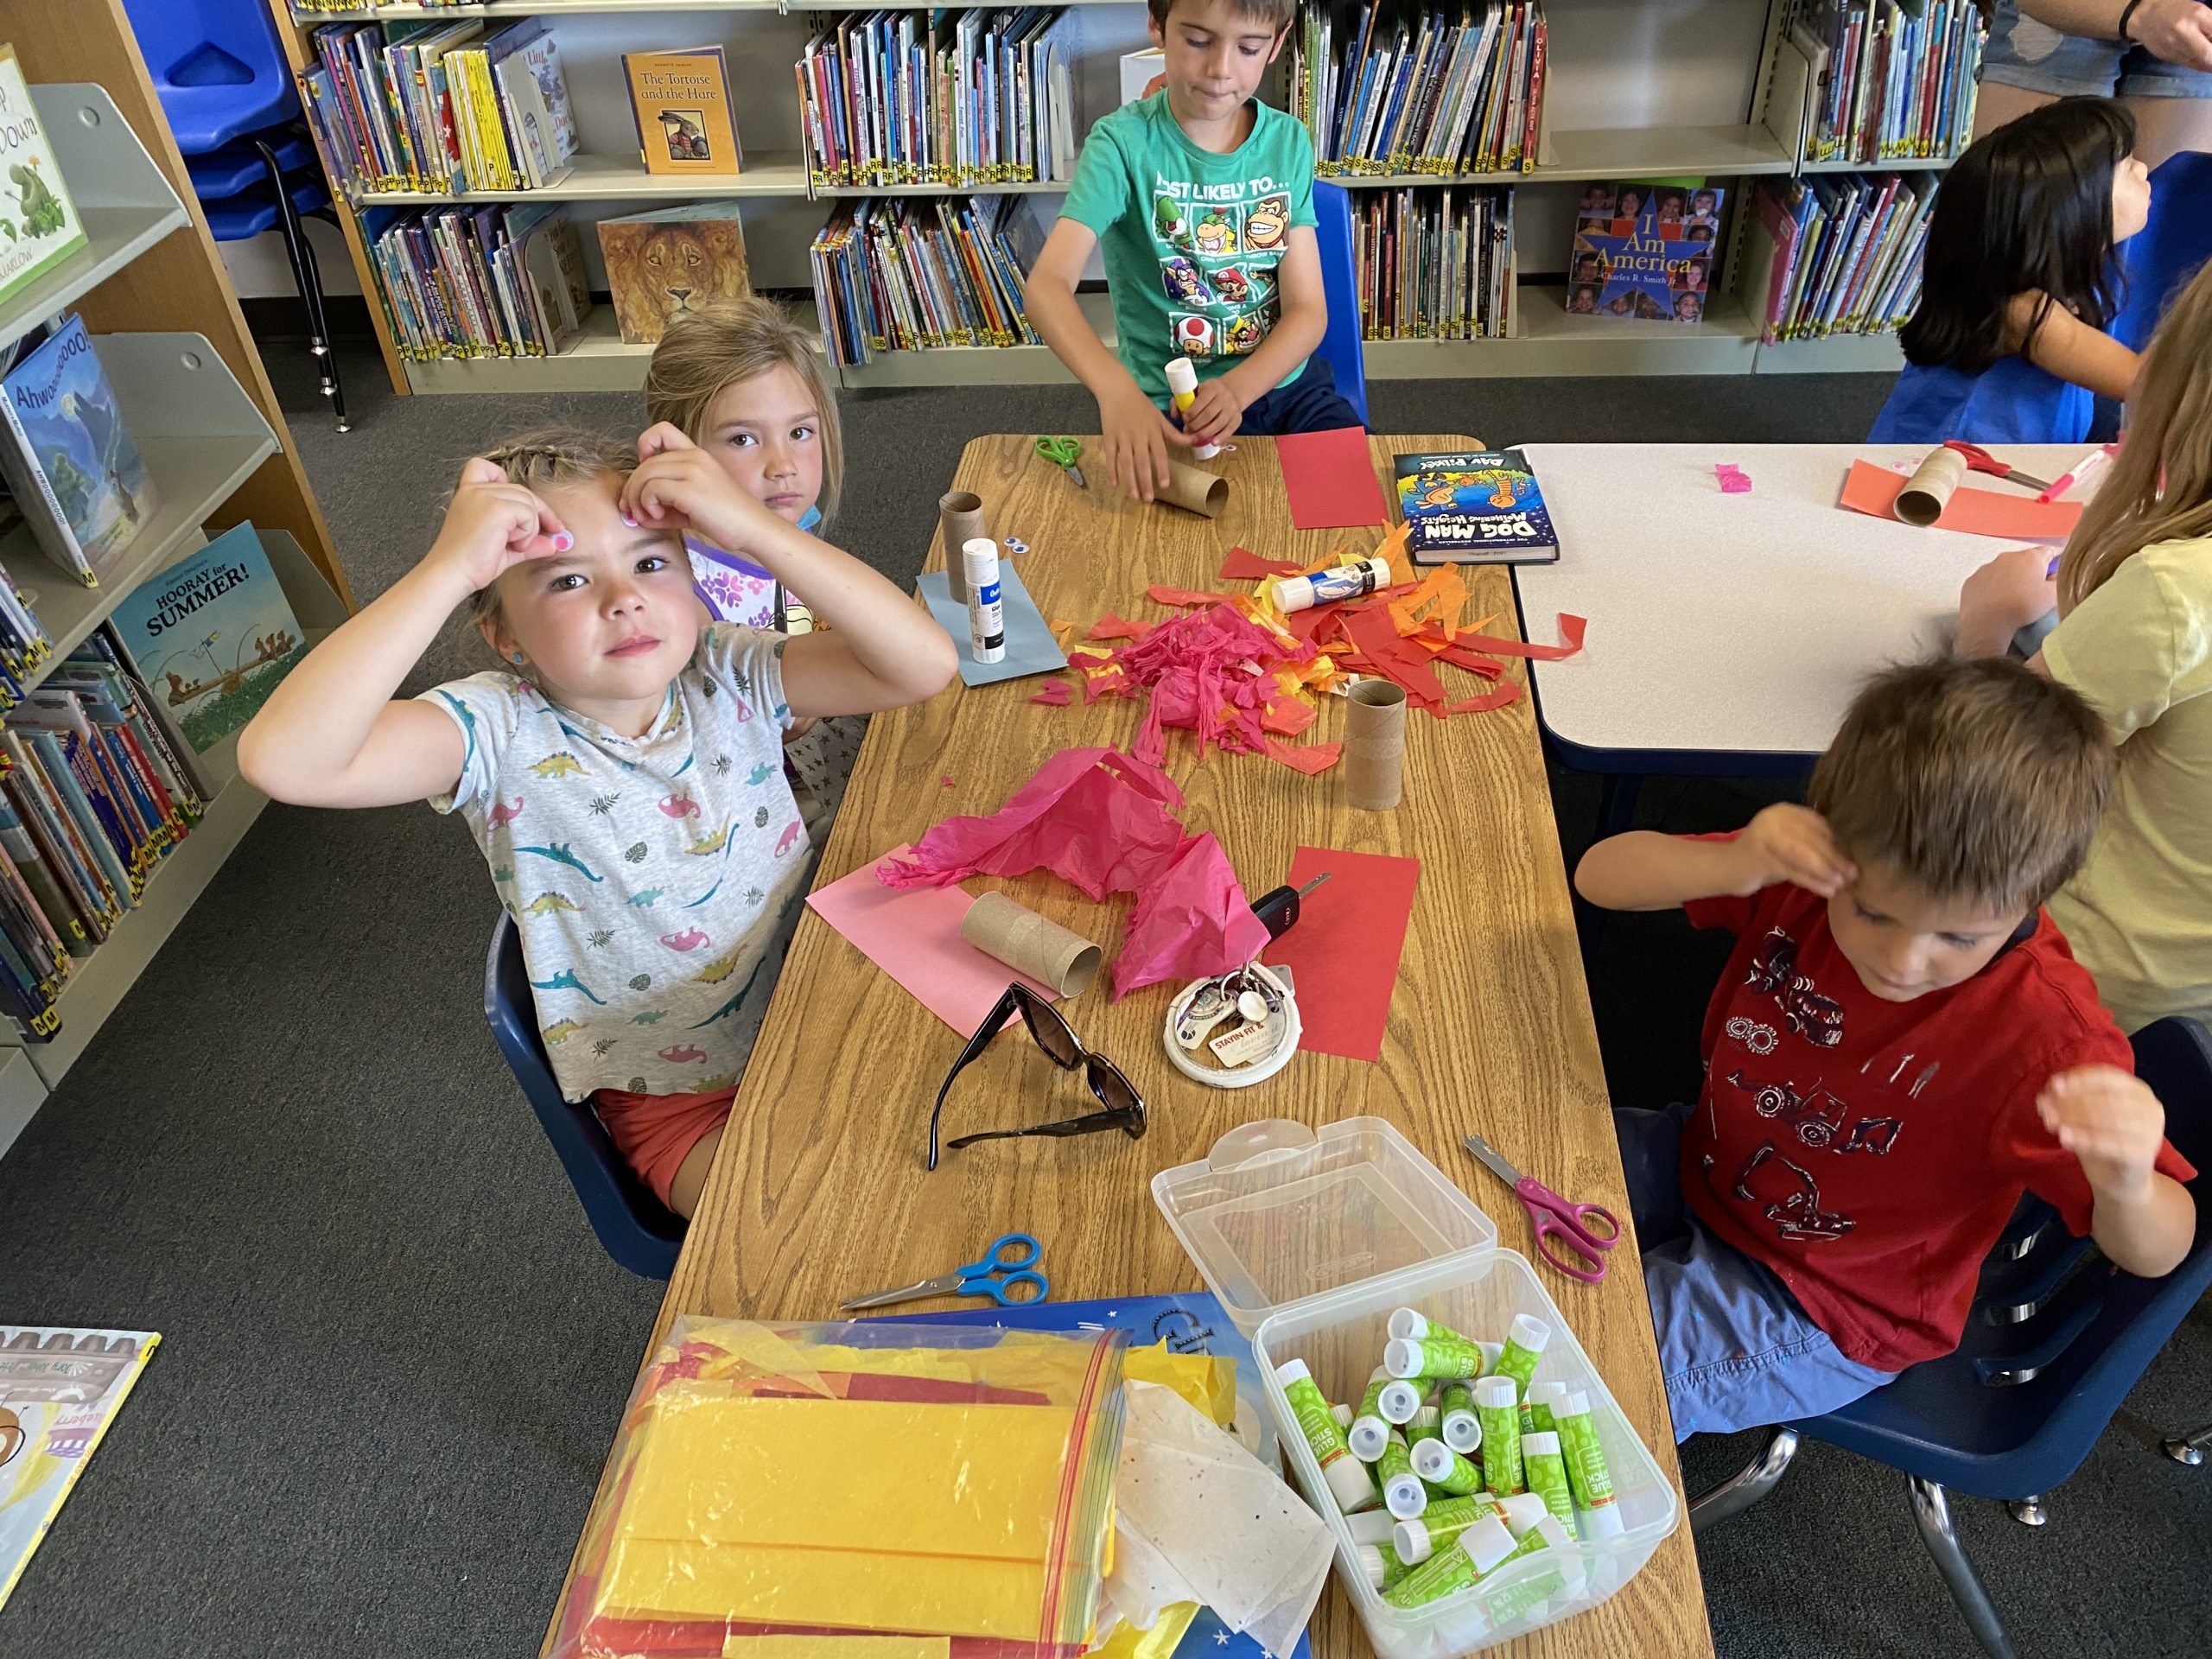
x=655, y=1133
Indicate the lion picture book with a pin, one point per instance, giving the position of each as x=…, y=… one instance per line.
x=680, y=102
x=670, y=263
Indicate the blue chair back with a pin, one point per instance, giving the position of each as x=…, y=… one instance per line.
x=2167, y=251
x=636, y=1229
x=2013, y=401
x=216, y=67
x=2058, y=1336
x=1340, y=346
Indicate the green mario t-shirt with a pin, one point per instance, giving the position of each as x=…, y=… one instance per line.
x=1191, y=239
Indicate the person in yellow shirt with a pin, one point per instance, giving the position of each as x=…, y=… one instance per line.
x=2133, y=592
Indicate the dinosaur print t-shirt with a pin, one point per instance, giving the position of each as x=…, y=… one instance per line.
x=1191, y=239
x=647, y=876
x=1871, y=1151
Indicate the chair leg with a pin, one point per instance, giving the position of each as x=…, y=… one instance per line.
x=1747, y=1485
x=307, y=278
x=2028, y=1511
x=2189, y=1449
x=1931, y=1513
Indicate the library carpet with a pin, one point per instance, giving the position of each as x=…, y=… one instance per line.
x=394, y=1353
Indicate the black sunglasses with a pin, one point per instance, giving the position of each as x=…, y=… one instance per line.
x=1123, y=1106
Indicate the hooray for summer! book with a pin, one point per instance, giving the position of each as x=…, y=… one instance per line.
x=1474, y=506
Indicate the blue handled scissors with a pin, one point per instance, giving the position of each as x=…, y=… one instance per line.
x=1063, y=451
x=1010, y=1265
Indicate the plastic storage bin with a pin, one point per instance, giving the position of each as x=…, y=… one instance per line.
x=1314, y=1236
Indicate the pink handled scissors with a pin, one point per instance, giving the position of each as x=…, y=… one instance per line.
x=1554, y=1218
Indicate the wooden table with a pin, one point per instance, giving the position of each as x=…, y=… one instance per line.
x=819, y=1191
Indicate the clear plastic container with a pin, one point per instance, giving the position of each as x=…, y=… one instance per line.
x=1316, y=1235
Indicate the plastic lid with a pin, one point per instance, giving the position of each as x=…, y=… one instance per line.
x=1462, y=1432
x=1371, y=1562
x=1495, y=1393
x=1278, y=1213
x=1521, y=1511
x=1433, y=1459
x=1182, y=374
x=1400, y=1402
x=1487, y=1542
x=1349, y=1482
x=1412, y=1542
x=1376, y=1527
x=1531, y=1332
x=1368, y=1437
x=1542, y=1443
x=1404, y=1495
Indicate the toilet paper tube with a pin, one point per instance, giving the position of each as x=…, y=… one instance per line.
x=1031, y=944
x=1375, y=745
x=961, y=515
x=1922, y=500
x=1204, y=494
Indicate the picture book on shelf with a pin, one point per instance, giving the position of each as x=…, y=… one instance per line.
x=211, y=636
x=1644, y=249
x=1477, y=506
x=680, y=102
x=60, y=1388
x=39, y=226
x=68, y=458
x=671, y=263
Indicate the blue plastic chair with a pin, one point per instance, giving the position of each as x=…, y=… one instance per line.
x=636, y=1229
x=1340, y=346
x=229, y=98
x=2167, y=251
x=2056, y=1338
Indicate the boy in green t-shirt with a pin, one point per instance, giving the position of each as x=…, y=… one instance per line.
x=1202, y=201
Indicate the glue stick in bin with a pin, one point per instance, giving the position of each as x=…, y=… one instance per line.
x=979, y=561
x=1521, y=1511
x=1439, y=1525
x=1402, y=1493
x=1411, y=1322
x=1400, y=1399
x=1346, y=1475
x=1369, y=1431
x=1326, y=586
x=1473, y=1552
x=1182, y=388
x=1501, y=1421
x=1439, y=1357
x=1372, y=1527
x=1545, y=1471
x=1524, y=1347
x=1426, y=1425
x=1463, y=1431
x=1540, y=1402
x=1343, y=1414
x=1591, y=1481
x=1445, y=1469
x=1381, y=1565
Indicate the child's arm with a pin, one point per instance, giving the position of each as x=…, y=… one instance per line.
x=2000, y=599
x=2065, y=346
x=881, y=651
x=1137, y=435
x=2142, y=1220
x=1644, y=870
x=2180, y=31
x=1219, y=406
x=331, y=734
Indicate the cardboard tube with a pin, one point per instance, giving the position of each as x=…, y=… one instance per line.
x=961, y=516
x=1922, y=500
x=1204, y=494
x=1375, y=745
x=1031, y=945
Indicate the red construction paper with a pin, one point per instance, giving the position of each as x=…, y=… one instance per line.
x=1161, y=595
x=1571, y=629
x=1874, y=489
x=1343, y=952
x=1330, y=479
x=1312, y=759
x=1287, y=716
x=1242, y=566
x=1110, y=627
x=1192, y=921
x=1055, y=694
x=1484, y=704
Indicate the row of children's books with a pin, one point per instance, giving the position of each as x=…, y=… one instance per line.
x=1435, y=265
x=981, y=97
x=908, y=274
x=441, y=107
x=1892, y=82
x=1846, y=252
x=494, y=281
x=1414, y=93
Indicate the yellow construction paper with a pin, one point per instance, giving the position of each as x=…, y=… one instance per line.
x=858, y=1589
x=1208, y=1384
x=1127, y=1642
x=836, y=1647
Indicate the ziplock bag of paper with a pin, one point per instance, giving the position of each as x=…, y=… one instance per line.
x=1198, y=1518
x=943, y=1483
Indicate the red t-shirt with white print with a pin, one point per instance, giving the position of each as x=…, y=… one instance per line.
x=1871, y=1152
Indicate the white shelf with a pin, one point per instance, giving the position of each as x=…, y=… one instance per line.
x=581, y=7
x=1021, y=188
x=1552, y=343
x=1837, y=354
x=1610, y=152
x=600, y=360
x=1917, y=164
x=622, y=178
x=125, y=202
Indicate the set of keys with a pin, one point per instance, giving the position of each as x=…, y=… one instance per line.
x=1241, y=992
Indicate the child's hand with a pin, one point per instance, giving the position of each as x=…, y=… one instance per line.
x=2111, y=1121
x=2003, y=597
x=680, y=487
x=1136, y=437
x=492, y=525
x=1791, y=843
x=1215, y=413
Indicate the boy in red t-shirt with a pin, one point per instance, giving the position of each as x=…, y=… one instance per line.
x=1901, y=1043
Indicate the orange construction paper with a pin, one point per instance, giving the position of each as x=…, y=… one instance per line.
x=1159, y=594
x=1110, y=627
x=1571, y=629
x=1289, y=716
x=1312, y=759
x=1874, y=490
x=1481, y=705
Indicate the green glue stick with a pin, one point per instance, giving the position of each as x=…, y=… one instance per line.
x=1463, y=1431
x=1426, y=1426
x=1368, y=1430
x=1588, y=1476
x=1540, y=1403
x=1381, y=1565
x=1439, y=1357
x=1545, y=1467
x=1346, y=1475
x=1499, y=1414
x=1439, y=1525
x=1402, y=1493
x=1445, y=1469
x=1461, y=1563
x=1400, y=1399
x=1524, y=1347
x=1409, y=1322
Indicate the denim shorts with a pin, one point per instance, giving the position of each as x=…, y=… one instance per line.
x=2036, y=58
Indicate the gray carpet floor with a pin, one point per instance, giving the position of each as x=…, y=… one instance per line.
x=394, y=1355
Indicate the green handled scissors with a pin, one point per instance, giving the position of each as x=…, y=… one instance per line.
x=1063, y=452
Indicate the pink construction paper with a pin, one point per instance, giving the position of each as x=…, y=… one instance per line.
x=914, y=936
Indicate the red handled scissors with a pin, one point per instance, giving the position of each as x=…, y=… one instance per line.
x=1980, y=460
x=1554, y=1217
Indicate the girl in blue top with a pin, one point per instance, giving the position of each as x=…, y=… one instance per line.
x=2007, y=344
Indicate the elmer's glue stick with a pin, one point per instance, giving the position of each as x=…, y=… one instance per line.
x=1182, y=387
x=1346, y=1475
x=986, y=613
